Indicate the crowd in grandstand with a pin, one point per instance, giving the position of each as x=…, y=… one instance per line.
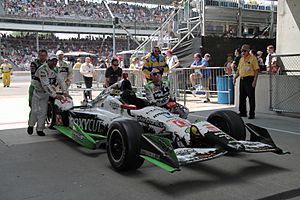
x=85, y=10
x=21, y=50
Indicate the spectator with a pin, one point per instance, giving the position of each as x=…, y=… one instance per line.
x=87, y=71
x=227, y=65
x=134, y=66
x=253, y=52
x=248, y=71
x=155, y=60
x=102, y=64
x=236, y=60
x=114, y=73
x=262, y=67
x=86, y=10
x=201, y=73
x=197, y=74
x=271, y=65
x=77, y=65
x=173, y=63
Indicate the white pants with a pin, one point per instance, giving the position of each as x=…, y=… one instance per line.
x=39, y=108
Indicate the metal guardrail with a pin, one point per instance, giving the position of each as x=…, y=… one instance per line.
x=216, y=84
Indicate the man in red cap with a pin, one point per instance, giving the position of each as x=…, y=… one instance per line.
x=120, y=59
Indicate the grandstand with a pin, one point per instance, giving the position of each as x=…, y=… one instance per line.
x=234, y=20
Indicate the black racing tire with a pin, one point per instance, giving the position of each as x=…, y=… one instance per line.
x=51, y=112
x=124, y=145
x=229, y=122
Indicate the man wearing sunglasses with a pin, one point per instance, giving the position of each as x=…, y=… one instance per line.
x=248, y=71
x=158, y=93
x=155, y=60
x=114, y=73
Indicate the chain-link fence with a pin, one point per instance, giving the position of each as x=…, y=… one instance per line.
x=285, y=84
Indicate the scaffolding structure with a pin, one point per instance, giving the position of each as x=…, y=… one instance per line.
x=227, y=18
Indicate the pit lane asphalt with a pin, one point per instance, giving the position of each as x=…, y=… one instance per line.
x=54, y=167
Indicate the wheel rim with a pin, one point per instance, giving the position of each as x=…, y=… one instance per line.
x=49, y=114
x=116, y=145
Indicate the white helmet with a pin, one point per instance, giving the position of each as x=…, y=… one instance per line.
x=59, y=52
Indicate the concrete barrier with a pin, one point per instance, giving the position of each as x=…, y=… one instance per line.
x=21, y=73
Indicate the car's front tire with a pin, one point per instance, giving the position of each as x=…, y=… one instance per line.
x=124, y=145
x=229, y=122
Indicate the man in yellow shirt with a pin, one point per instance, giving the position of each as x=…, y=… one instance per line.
x=6, y=70
x=155, y=60
x=248, y=71
x=78, y=64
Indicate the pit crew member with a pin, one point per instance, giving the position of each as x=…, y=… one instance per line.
x=64, y=68
x=42, y=58
x=45, y=82
x=6, y=70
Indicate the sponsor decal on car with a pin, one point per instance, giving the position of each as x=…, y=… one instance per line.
x=77, y=135
x=114, y=105
x=179, y=122
x=150, y=154
x=149, y=121
x=166, y=114
x=90, y=125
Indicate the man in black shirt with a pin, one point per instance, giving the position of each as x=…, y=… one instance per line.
x=114, y=73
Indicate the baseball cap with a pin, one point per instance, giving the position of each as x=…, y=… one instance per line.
x=245, y=47
x=207, y=54
x=169, y=51
x=59, y=52
x=259, y=53
x=52, y=56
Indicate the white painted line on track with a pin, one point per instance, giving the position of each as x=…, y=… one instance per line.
x=273, y=129
x=279, y=130
x=194, y=115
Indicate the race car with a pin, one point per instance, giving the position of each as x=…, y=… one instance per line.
x=134, y=131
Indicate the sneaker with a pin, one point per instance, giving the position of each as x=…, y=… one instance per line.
x=251, y=117
x=242, y=115
x=206, y=101
x=30, y=130
x=40, y=133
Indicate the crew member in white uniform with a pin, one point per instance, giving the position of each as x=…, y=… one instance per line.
x=46, y=79
x=64, y=68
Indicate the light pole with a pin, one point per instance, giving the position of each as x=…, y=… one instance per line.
x=135, y=19
x=114, y=21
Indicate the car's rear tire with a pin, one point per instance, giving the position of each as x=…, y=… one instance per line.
x=124, y=145
x=229, y=122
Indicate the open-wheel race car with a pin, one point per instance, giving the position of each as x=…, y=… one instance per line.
x=134, y=131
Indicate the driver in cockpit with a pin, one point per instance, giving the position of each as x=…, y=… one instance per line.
x=158, y=93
